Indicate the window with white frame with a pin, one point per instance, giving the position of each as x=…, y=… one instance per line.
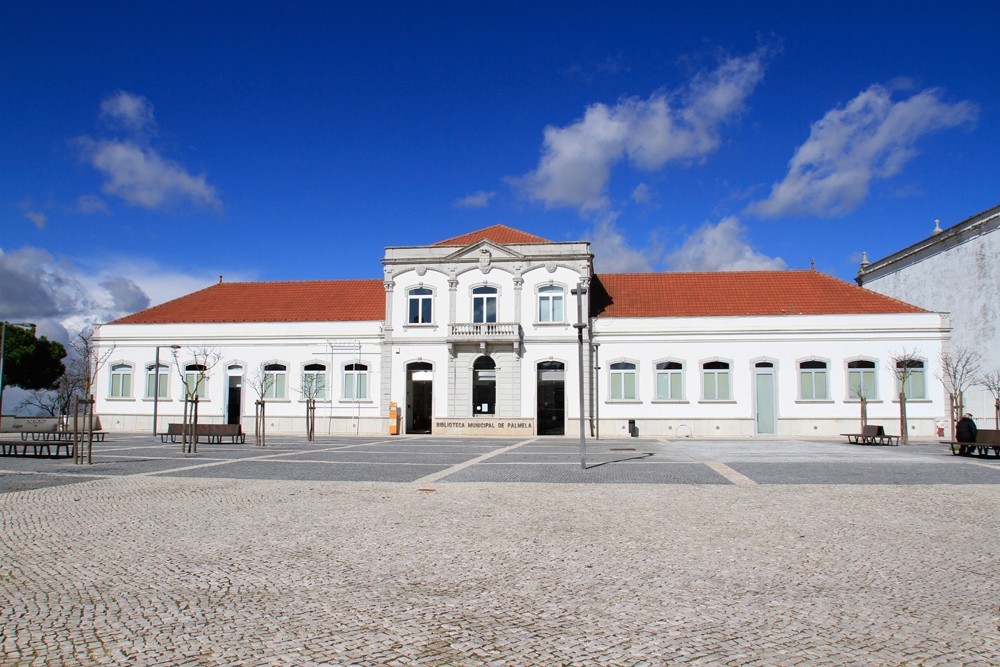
x=913, y=386
x=121, y=381
x=484, y=304
x=623, y=381
x=550, y=304
x=813, y=380
x=669, y=381
x=861, y=379
x=421, y=305
x=314, y=381
x=275, y=381
x=715, y=381
x=194, y=380
x=157, y=379
x=355, y=381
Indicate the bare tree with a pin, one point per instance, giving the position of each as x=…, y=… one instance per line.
x=904, y=365
x=991, y=380
x=90, y=357
x=194, y=380
x=262, y=382
x=959, y=369
x=313, y=387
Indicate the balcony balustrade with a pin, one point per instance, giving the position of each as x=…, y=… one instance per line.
x=485, y=332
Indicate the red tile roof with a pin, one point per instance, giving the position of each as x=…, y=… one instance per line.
x=301, y=301
x=735, y=293
x=499, y=234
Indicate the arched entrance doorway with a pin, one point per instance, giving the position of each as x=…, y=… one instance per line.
x=419, y=397
x=551, y=409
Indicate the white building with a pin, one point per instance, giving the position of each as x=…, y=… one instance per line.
x=954, y=271
x=476, y=334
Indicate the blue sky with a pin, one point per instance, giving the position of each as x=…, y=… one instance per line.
x=150, y=147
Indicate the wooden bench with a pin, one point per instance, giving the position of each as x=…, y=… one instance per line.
x=986, y=440
x=53, y=428
x=210, y=433
x=39, y=433
x=872, y=434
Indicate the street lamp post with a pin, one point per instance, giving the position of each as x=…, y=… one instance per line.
x=3, y=349
x=580, y=325
x=597, y=393
x=156, y=382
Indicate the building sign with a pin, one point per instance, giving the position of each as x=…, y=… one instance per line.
x=517, y=426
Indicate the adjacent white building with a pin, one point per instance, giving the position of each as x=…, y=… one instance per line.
x=481, y=334
x=954, y=271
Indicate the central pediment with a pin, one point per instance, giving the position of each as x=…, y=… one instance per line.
x=483, y=251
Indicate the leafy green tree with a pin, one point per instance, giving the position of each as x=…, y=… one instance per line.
x=31, y=362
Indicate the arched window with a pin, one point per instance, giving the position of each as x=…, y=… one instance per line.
x=861, y=379
x=153, y=384
x=716, y=381
x=275, y=381
x=121, y=381
x=484, y=304
x=355, y=381
x=314, y=381
x=484, y=386
x=813, y=380
x=421, y=302
x=550, y=304
x=913, y=386
x=623, y=381
x=669, y=381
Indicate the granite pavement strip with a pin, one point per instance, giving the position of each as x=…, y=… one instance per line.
x=144, y=566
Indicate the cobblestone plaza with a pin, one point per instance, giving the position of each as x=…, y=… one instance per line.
x=501, y=552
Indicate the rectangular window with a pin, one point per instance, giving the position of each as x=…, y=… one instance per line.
x=421, y=300
x=484, y=304
x=812, y=380
x=550, y=304
x=151, y=382
x=668, y=381
x=861, y=379
x=715, y=379
x=275, y=381
x=913, y=386
x=355, y=381
x=121, y=381
x=623, y=381
x=314, y=381
x=194, y=380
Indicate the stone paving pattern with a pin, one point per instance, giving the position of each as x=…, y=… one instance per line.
x=134, y=565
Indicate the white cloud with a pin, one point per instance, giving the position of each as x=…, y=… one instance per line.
x=479, y=199
x=37, y=218
x=134, y=171
x=577, y=159
x=721, y=247
x=612, y=253
x=133, y=113
x=871, y=137
x=63, y=296
x=92, y=204
x=642, y=194
x=142, y=177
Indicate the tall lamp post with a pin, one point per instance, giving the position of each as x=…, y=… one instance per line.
x=156, y=381
x=3, y=349
x=580, y=325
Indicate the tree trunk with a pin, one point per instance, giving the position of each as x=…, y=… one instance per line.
x=904, y=438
